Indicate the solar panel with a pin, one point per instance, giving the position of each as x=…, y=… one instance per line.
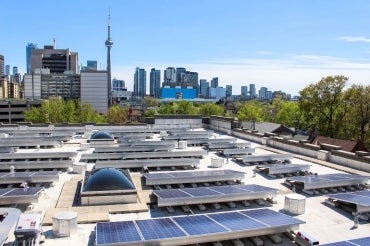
x=46, y=173
x=156, y=175
x=20, y=174
x=171, y=193
x=365, y=241
x=256, y=188
x=23, y=192
x=4, y=191
x=192, y=229
x=228, y=189
x=159, y=228
x=199, y=225
x=236, y=221
x=201, y=191
x=353, y=197
x=116, y=232
x=270, y=217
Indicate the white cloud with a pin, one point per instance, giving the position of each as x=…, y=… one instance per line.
x=290, y=74
x=355, y=39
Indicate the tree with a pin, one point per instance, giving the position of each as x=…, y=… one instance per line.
x=209, y=109
x=322, y=104
x=59, y=111
x=358, y=99
x=289, y=114
x=251, y=110
x=148, y=102
x=117, y=114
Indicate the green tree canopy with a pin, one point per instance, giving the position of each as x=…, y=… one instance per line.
x=251, y=110
x=209, y=109
x=322, y=104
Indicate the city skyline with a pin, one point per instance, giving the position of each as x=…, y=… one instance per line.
x=281, y=45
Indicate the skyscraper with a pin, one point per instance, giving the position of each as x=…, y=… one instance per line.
x=244, y=90
x=252, y=90
x=179, y=71
x=229, y=90
x=140, y=82
x=204, y=85
x=155, y=83
x=109, y=45
x=214, y=82
x=15, y=71
x=169, y=75
x=29, y=48
x=7, y=70
x=1, y=65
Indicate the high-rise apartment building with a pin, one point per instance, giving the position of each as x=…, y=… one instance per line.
x=118, y=85
x=94, y=89
x=56, y=60
x=262, y=93
x=229, y=90
x=179, y=71
x=204, y=87
x=2, y=63
x=155, y=83
x=7, y=70
x=244, y=90
x=252, y=90
x=15, y=71
x=140, y=82
x=90, y=66
x=169, y=75
x=214, y=82
x=29, y=48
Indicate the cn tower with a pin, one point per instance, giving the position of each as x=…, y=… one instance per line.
x=109, y=45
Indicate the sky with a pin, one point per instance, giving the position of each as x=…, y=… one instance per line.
x=279, y=44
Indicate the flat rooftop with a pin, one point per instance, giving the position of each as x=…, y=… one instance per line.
x=325, y=223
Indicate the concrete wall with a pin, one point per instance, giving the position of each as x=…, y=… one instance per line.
x=344, y=158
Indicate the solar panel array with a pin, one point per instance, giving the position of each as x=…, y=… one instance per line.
x=211, y=191
x=194, y=174
x=10, y=192
x=191, y=227
x=327, y=178
x=358, y=197
x=364, y=241
x=28, y=174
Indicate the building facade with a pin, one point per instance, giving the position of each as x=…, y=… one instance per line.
x=94, y=90
x=56, y=60
x=252, y=90
x=229, y=90
x=179, y=72
x=41, y=84
x=214, y=82
x=2, y=64
x=155, y=83
x=217, y=93
x=29, y=48
x=244, y=90
x=169, y=76
x=178, y=93
x=204, y=87
x=139, y=83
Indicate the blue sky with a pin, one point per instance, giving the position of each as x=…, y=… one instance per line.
x=280, y=44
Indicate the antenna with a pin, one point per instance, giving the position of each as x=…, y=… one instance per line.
x=54, y=43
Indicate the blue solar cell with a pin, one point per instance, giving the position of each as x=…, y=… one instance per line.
x=365, y=241
x=363, y=193
x=172, y=193
x=255, y=188
x=199, y=225
x=271, y=217
x=116, y=232
x=353, y=197
x=159, y=228
x=23, y=192
x=201, y=191
x=236, y=221
x=344, y=243
x=4, y=191
x=228, y=189
x=4, y=174
x=307, y=179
